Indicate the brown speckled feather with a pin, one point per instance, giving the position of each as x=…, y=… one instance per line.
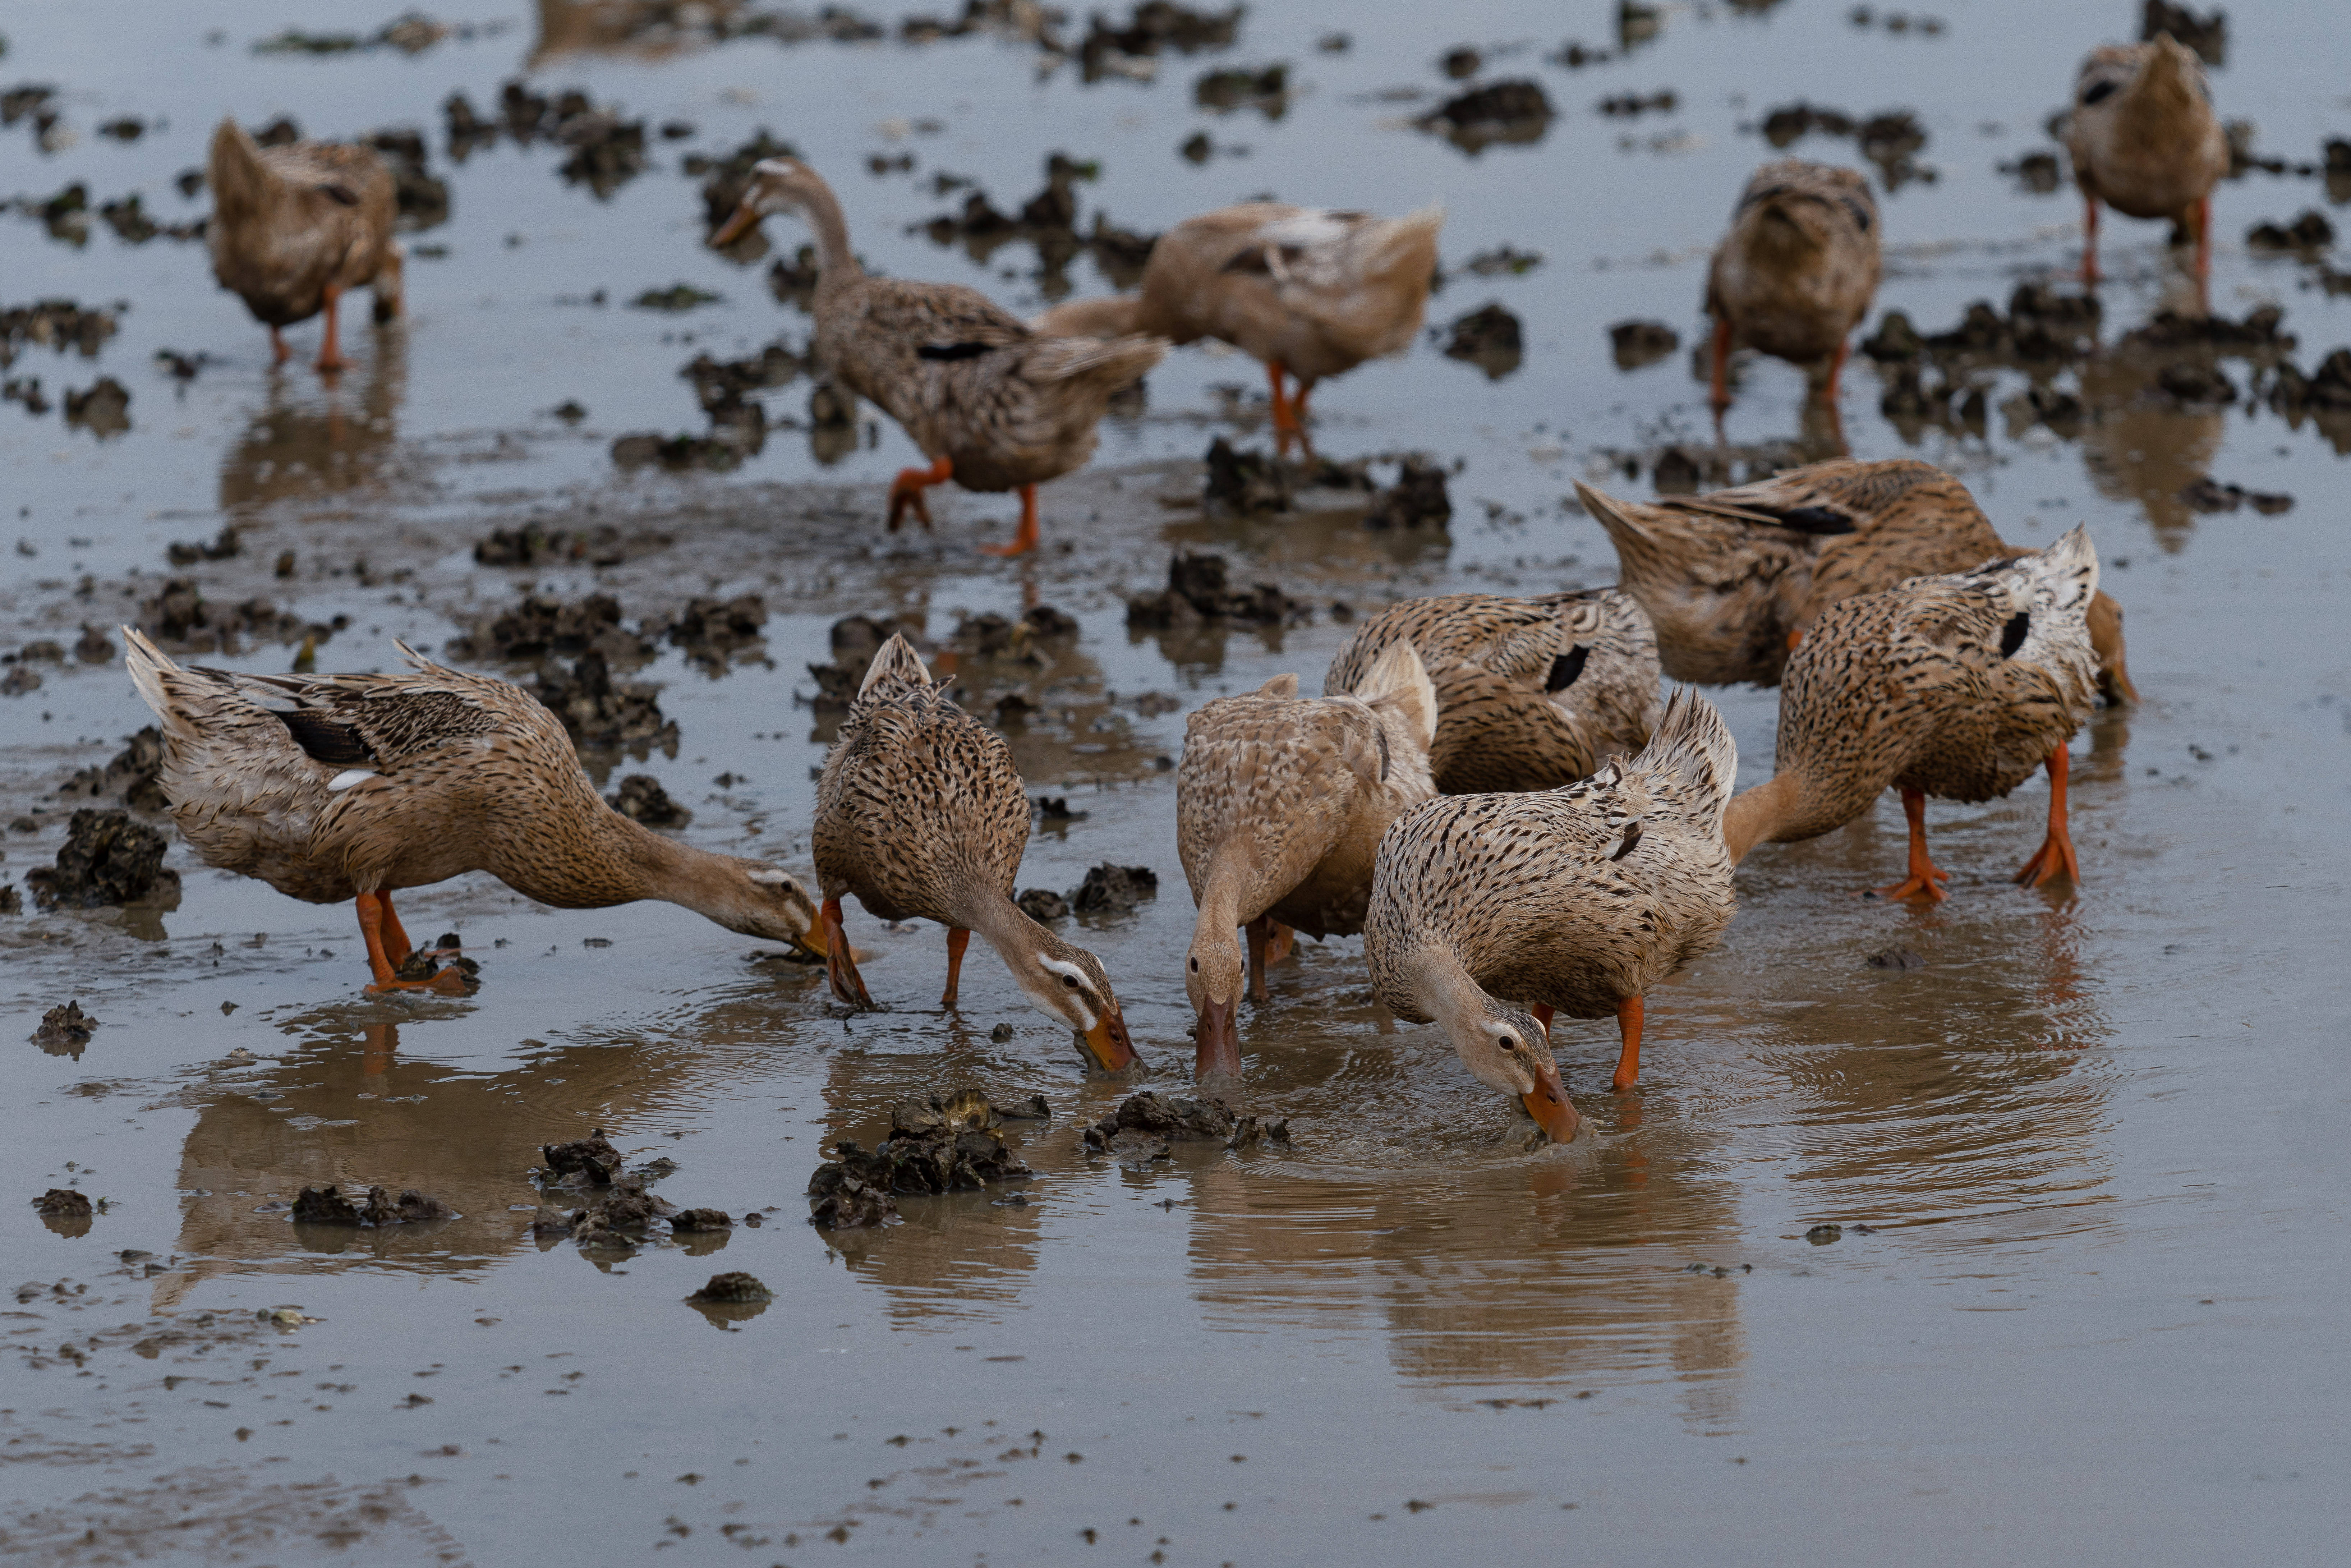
x=1291, y=795
x=1531, y=693
x=1799, y=264
x=327, y=787
x=1576, y=898
x=1955, y=685
x=289, y=222
x=1727, y=576
x=2142, y=136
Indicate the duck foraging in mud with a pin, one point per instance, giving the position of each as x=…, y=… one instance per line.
x=335, y=787
x=294, y=227
x=995, y=406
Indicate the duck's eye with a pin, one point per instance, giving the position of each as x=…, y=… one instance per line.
x=1507, y=1042
x=1071, y=981
x=1196, y=966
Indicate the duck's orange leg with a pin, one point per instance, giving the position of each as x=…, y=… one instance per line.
x=279, y=350
x=959, y=938
x=2089, y=239
x=396, y=946
x=330, y=349
x=1628, y=1053
x=2201, y=214
x=840, y=966
x=1298, y=419
x=2055, y=854
x=1717, y=392
x=1282, y=943
x=1285, y=418
x=447, y=983
x=1260, y=933
x=1026, y=539
x=907, y=491
x=1925, y=876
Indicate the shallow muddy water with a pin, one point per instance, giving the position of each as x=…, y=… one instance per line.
x=2087, y=1161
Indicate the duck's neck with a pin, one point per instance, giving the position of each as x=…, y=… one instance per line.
x=1759, y=814
x=1444, y=990
x=621, y=861
x=1221, y=890
x=836, y=264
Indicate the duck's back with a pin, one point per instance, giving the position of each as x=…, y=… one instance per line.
x=918, y=803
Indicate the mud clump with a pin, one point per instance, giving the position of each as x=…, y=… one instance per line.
x=620, y=1215
x=2326, y=389
x=988, y=635
x=1114, y=890
x=1488, y=337
x=2207, y=494
x=180, y=617
x=936, y=1146
x=606, y=152
x=62, y=1203
x=1244, y=482
x=2195, y=385
x=420, y=201
x=1634, y=344
x=720, y=451
x=535, y=544
x=65, y=1028
x=2207, y=36
x=701, y=1220
x=599, y=713
x=1417, y=496
x=1896, y=958
x=855, y=639
x=2309, y=233
x=591, y=1161
x=1153, y=26
x=2036, y=173
x=711, y=629
x=103, y=408
x=133, y=776
x=330, y=1206
x=1515, y=111
x=727, y=179
x=1198, y=590
x=735, y=1289
x=641, y=799
x=62, y=325
x=538, y=627
x=1887, y=139
x=1042, y=904
x=108, y=859
x=1174, y=1118
x=1235, y=86
x=225, y=545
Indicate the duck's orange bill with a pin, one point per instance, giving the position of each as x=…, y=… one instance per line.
x=1107, y=1042
x=813, y=942
x=733, y=228
x=1220, y=1041
x=1548, y=1104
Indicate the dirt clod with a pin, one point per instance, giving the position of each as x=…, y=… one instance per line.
x=1896, y=958
x=701, y=1220
x=733, y=1287
x=63, y=1203
x=592, y=1160
x=131, y=776
x=641, y=799
x=1114, y=889
x=1488, y=337
x=1515, y=111
x=1418, y=496
x=1042, y=904
x=108, y=859
x=1634, y=344
x=65, y=1028
x=1244, y=481
x=934, y=1147
x=330, y=1206
x=599, y=713
x=1177, y=1118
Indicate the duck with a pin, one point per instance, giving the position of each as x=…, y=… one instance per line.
x=1795, y=272
x=1531, y=693
x=1311, y=292
x=1733, y=579
x=920, y=814
x=2144, y=140
x=335, y=788
x=1281, y=801
x=1959, y=685
x=1490, y=914
x=993, y=405
x=293, y=227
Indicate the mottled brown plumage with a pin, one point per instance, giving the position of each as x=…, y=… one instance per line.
x=353, y=787
x=1957, y=686
x=1280, y=804
x=1796, y=271
x=1531, y=693
x=1577, y=900
x=1309, y=292
x=993, y=405
x=1730, y=578
x=920, y=814
x=294, y=226
x=2144, y=140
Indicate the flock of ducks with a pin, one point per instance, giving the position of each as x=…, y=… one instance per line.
x=1488, y=790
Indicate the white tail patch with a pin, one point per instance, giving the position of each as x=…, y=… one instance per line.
x=348, y=777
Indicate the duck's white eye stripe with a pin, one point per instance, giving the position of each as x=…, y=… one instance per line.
x=771, y=877
x=349, y=777
x=1062, y=967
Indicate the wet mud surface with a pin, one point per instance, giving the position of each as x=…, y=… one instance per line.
x=2007, y=1230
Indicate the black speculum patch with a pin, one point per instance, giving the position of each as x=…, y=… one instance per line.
x=1566, y=667
x=2013, y=636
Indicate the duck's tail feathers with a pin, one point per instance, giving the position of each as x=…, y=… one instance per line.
x=149, y=666
x=239, y=179
x=1406, y=244
x=1692, y=744
x=896, y=668
x=1399, y=680
x=1104, y=366
x=2069, y=568
x=1111, y=316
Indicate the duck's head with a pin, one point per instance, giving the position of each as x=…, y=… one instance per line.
x=1213, y=977
x=767, y=902
x=778, y=185
x=1067, y=982
x=1504, y=1047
